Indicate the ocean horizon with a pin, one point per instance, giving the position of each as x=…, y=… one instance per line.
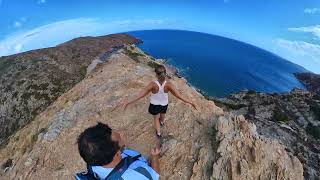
x=220, y=66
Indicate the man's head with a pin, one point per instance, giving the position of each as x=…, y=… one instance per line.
x=98, y=145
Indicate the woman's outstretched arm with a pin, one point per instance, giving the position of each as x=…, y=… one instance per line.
x=142, y=94
x=177, y=94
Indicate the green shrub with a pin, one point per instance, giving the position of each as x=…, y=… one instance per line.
x=235, y=106
x=227, y=105
x=5, y=64
x=19, y=83
x=316, y=97
x=246, y=97
x=280, y=116
x=267, y=102
x=133, y=55
x=251, y=92
x=315, y=108
x=152, y=64
x=313, y=130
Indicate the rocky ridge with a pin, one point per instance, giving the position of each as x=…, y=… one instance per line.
x=203, y=144
x=31, y=81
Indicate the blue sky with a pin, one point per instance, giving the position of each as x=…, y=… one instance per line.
x=288, y=28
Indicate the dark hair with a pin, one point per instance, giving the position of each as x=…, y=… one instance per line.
x=96, y=146
x=160, y=70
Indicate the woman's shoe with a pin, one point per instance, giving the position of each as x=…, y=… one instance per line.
x=159, y=135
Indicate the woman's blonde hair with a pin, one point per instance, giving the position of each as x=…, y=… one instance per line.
x=160, y=70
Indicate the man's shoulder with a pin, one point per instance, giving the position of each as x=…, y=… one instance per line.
x=140, y=173
x=129, y=152
x=140, y=168
x=132, y=153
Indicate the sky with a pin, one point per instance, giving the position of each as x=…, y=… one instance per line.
x=287, y=28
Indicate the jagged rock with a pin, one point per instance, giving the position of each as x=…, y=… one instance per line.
x=289, y=117
x=246, y=155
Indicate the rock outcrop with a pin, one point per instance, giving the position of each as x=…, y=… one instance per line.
x=243, y=154
x=31, y=81
x=203, y=144
x=293, y=118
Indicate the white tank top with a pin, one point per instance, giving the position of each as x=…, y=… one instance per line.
x=159, y=98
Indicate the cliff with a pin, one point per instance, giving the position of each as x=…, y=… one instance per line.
x=203, y=144
x=293, y=118
x=31, y=81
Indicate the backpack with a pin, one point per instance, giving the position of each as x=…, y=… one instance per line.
x=115, y=174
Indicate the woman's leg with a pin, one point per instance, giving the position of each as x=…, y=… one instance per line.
x=156, y=123
x=162, y=116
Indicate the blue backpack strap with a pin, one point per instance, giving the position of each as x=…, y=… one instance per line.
x=89, y=175
x=115, y=174
x=118, y=171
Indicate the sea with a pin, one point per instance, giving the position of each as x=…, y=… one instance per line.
x=220, y=66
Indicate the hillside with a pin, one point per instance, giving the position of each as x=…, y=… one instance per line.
x=203, y=144
x=31, y=81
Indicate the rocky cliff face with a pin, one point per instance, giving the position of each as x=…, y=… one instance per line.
x=246, y=155
x=292, y=118
x=203, y=144
x=31, y=81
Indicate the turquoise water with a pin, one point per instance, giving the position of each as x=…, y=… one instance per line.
x=220, y=66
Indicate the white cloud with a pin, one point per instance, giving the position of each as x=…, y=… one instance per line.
x=18, y=47
x=153, y=21
x=312, y=10
x=47, y=35
x=55, y=33
x=20, y=22
x=143, y=21
x=17, y=24
x=124, y=22
x=315, y=30
x=300, y=52
x=23, y=19
x=41, y=1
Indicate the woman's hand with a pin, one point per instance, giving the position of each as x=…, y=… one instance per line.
x=154, y=159
x=155, y=151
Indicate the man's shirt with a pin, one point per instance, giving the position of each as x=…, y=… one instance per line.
x=138, y=170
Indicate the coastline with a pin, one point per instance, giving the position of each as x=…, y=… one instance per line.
x=177, y=73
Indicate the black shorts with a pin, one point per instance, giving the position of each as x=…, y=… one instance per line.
x=156, y=109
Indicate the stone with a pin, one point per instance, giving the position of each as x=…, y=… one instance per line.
x=253, y=165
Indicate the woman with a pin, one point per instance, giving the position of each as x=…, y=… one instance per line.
x=159, y=97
